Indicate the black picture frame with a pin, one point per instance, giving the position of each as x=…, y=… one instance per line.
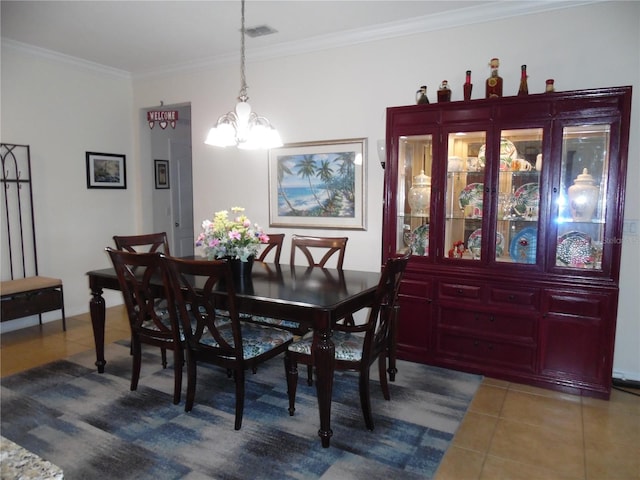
x=106, y=170
x=161, y=169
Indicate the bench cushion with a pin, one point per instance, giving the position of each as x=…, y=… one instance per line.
x=29, y=284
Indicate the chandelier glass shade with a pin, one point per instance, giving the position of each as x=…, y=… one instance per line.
x=242, y=127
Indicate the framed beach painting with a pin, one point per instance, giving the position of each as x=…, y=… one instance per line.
x=318, y=184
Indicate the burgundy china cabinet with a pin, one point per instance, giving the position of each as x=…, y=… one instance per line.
x=514, y=210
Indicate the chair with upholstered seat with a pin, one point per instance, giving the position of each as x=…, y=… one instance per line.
x=138, y=275
x=273, y=245
x=358, y=346
x=317, y=251
x=325, y=246
x=147, y=243
x=232, y=344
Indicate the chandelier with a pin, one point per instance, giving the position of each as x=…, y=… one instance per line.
x=242, y=127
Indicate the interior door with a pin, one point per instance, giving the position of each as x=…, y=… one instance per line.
x=182, y=243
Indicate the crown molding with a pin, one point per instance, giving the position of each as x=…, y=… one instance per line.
x=62, y=58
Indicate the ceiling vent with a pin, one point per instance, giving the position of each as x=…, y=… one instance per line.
x=260, y=31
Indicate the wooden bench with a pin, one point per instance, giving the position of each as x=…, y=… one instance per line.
x=23, y=292
x=24, y=297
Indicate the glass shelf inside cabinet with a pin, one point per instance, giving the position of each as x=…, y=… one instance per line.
x=464, y=195
x=583, y=191
x=518, y=199
x=415, y=157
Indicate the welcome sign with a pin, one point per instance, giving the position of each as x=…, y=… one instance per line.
x=163, y=118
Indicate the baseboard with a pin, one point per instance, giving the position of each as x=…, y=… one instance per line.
x=618, y=382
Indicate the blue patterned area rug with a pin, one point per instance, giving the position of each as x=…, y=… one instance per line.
x=94, y=427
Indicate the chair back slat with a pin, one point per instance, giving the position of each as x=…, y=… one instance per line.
x=275, y=244
x=328, y=245
x=148, y=242
x=193, y=284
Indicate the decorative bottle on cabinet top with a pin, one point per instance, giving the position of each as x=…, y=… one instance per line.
x=494, y=82
x=468, y=86
x=524, y=87
x=549, y=86
x=421, y=96
x=444, y=92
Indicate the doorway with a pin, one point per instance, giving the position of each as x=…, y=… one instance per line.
x=173, y=206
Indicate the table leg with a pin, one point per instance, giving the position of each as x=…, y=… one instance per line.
x=324, y=360
x=96, y=307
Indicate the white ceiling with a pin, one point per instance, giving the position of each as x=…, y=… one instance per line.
x=152, y=36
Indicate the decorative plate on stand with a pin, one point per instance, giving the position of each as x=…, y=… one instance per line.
x=420, y=240
x=523, y=246
x=475, y=240
x=472, y=195
x=574, y=249
x=527, y=199
x=507, y=153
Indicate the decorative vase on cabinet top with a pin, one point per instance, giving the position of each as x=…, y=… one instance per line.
x=583, y=197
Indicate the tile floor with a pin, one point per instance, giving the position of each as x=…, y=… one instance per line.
x=511, y=431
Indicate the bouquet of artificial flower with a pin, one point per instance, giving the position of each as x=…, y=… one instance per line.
x=231, y=238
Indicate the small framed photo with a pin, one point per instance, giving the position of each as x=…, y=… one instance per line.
x=318, y=184
x=106, y=170
x=162, y=173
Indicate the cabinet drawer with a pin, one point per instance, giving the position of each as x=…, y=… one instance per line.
x=482, y=352
x=569, y=303
x=521, y=297
x=460, y=290
x=33, y=303
x=415, y=288
x=489, y=324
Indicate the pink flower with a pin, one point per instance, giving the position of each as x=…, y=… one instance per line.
x=264, y=238
x=235, y=235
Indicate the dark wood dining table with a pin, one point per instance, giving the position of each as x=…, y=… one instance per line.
x=315, y=297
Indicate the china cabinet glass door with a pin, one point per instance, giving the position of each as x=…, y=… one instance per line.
x=582, y=197
x=415, y=157
x=518, y=195
x=464, y=195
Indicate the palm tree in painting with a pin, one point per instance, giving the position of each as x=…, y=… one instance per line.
x=325, y=174
x=307, y=169
x=347, y=171
x=282, y=170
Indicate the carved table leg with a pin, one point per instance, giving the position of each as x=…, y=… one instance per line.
x=96, y=307
x=324, y=360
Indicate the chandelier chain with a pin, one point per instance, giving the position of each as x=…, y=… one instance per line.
x=243, y=78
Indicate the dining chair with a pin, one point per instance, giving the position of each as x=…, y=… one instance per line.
x=317, y=251
x=357, y=346
x=148, y=242
x=274, y=245
x=313, y=247
x=137, y=275
x=227, y=342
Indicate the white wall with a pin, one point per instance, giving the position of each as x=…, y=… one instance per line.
x=333, y=94
x=63, y=110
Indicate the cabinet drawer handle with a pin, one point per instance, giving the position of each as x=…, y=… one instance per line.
x=512, y=297
x=476, y=343
x=492, y=318
x=459, y=291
